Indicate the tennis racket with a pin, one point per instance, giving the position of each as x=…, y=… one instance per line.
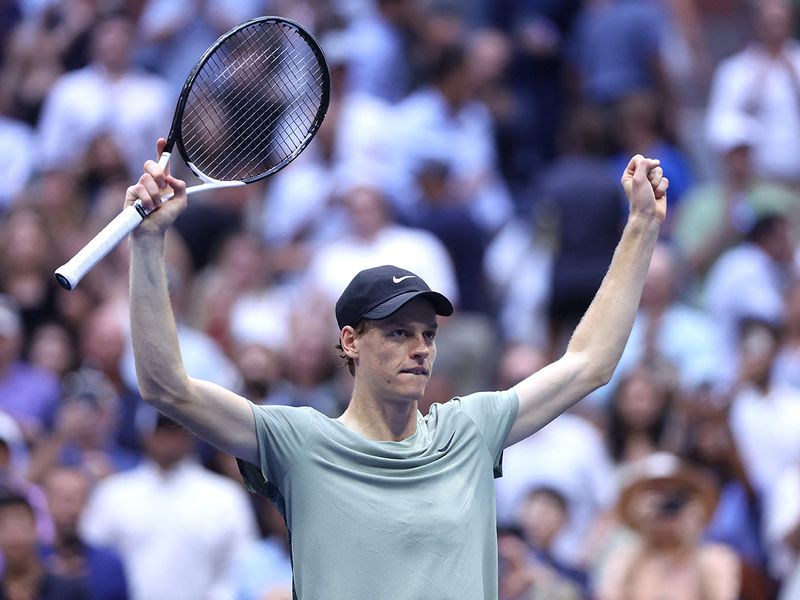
x=250, y=106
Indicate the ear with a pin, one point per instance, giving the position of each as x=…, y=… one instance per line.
x=349, y=342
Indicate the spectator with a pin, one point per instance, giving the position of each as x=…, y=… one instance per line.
x=782, y=518
x=761, y=83
x=787, y=363
x=717, y=215
x=444, y=121
x=109, y=95
x=174, y=33
x=25, y=266
x=517, y=266
x=736, y=521
x=98, y=570
x=543, y=514
x=375, y=238
x=382, y=31
x=438, y=211
x=53, y=348
x=538, y=34
x=764, y=415
x=152, y=514
x=14, y=463
x=567, y=455
x=750, y=279
x=29, y=394
x=84, y=435
x=308, y=367
x=32, y=63
x=24, y=573
x=640, y=417
x=667, y=504
x=579, y=194
x=262, y=568
x=16, y=154
x=615, y=49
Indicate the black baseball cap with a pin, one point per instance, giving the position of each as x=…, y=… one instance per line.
x=378, y=292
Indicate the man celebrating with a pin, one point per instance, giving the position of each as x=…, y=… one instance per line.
x=384, y=502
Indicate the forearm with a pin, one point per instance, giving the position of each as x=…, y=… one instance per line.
x=159, y=368
x=603, y=331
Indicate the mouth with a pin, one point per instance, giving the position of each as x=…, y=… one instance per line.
x=417, y=371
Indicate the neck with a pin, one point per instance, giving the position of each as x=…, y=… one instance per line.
x=380, y=421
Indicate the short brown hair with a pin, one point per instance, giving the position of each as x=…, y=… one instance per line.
x=359, y=329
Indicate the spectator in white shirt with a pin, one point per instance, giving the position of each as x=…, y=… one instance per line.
x=764, y=415
x=750, y=279
x=175, y=524
x=110, y=95
x=763, y=82
x=444, y=121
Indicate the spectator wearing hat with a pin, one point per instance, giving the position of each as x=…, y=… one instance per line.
x=666, y=504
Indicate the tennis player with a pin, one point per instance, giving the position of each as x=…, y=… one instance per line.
x=384, y=502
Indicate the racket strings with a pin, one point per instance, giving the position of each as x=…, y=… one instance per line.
x=254, y=104
x=268, y=121
x=247, y=117
x=283, y=124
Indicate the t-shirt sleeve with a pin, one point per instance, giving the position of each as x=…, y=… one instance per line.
x=493, y=413
x=281, y=433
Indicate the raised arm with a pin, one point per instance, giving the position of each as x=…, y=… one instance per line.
x=597, y=343
x=215, y=414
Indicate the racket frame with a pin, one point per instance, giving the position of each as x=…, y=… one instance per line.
x=70, y=273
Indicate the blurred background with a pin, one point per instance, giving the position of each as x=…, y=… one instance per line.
x=479, y=144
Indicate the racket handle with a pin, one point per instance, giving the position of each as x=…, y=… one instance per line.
x=70, y=273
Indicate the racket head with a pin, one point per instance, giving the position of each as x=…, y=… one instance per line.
x=253, y=102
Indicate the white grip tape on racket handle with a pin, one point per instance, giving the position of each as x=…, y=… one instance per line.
x=70, y=273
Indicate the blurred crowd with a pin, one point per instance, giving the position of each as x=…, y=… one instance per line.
x=478, y=143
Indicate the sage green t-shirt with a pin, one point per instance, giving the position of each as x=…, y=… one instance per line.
x=368, y=520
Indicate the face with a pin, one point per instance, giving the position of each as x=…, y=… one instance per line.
x=67, y=491
x=639, y=401
x=17, y=534
x=542, y=517
x=111, y=44
x=166, y=446
x=394, y=356
x=669, y=514
x=774, y=19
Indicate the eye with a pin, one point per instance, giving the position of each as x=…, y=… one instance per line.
x=430, y=335
x=398, y=333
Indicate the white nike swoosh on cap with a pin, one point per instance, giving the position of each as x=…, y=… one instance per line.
x=396, y=279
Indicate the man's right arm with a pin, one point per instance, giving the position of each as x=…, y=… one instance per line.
x=217, y=415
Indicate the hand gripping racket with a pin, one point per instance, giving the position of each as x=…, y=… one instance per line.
x=250, y=106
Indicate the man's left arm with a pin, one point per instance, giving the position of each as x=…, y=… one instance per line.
x=599, y=339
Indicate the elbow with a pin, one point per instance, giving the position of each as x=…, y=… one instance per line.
x=160, y=393
x=594, y=373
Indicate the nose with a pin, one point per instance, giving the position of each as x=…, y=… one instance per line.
x=420, y=348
